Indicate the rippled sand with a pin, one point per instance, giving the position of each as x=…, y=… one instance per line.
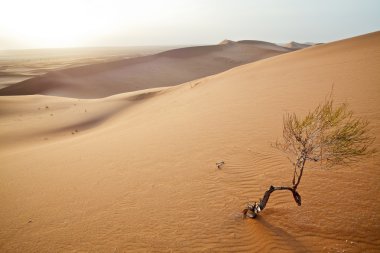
x=136, y=172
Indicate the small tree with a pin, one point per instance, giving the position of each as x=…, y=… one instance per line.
x=328, y=135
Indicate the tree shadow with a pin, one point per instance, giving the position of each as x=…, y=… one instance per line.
x=290, y=240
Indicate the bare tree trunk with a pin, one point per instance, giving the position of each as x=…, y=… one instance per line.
x=255, y=208
x=264, y=200
x=258, y=207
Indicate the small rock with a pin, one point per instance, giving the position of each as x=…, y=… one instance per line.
x=220, y=164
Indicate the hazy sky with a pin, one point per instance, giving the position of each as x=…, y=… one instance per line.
x=76, y=23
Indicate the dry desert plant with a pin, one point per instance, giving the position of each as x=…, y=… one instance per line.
x=328, y=135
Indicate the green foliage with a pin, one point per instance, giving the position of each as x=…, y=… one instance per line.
x=329, y=134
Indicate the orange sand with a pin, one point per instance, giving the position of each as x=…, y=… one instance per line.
x=136, y=172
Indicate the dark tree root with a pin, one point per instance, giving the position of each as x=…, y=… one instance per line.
x=253, y=209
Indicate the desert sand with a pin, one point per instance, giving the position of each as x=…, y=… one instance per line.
x=135, y=172
x=160, y=70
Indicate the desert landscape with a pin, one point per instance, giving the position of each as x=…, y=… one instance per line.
x=160, y=149
x=136, y=171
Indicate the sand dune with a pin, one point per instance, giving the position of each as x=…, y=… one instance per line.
x=139, y=173
x=19, y=65
x=226, y=41
x=296, y=45
x=164, y=69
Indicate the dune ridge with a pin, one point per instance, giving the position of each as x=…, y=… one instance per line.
x=168, y=68
x=144, y=179
x=296, y=45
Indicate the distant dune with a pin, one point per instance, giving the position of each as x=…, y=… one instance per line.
x=135, y=172
x=225, y=42
x=296, y=45
x=164, y=69
x=23, y=64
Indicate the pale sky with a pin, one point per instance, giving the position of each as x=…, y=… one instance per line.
x=83, y=23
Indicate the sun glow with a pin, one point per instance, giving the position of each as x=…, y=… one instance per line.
x=48, y=23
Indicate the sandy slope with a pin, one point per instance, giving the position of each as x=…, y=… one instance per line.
x=139, y=174
x=164, y=69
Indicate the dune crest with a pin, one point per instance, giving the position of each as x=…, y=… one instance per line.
x=296, y=45
x=226, y=41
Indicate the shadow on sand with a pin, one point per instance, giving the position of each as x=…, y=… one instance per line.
x=289, y=240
